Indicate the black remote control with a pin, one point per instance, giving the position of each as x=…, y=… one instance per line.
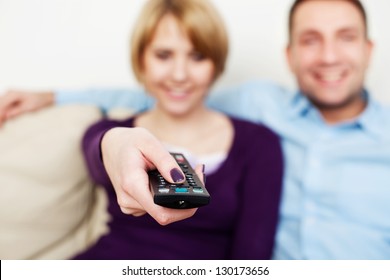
x=190, y=194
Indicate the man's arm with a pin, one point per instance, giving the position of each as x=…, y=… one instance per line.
x=17, y=102
x=248, y=101
x=106, y=99
x=251, y=101
x=14, y=103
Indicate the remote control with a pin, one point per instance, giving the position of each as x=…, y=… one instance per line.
x=190, y=194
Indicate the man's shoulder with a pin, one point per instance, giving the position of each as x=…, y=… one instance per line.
x=385, y=116
x=377, y=118
x=386, y=110
x=380, y=109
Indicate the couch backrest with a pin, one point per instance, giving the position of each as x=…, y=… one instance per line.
x=49, y=208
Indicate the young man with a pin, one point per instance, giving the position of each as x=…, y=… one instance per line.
x=336, y=141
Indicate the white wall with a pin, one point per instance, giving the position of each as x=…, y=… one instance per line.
x=83, y=43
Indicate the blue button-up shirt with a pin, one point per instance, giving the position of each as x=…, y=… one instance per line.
x=336, y=193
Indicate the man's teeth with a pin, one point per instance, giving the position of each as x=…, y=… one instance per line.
x=331, y=77
x=177, y=93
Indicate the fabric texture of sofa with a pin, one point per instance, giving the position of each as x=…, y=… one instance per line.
x=49, y=208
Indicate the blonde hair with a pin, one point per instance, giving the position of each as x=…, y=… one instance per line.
x=199, y=19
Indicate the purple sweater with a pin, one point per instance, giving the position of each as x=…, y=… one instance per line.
x=239, y=223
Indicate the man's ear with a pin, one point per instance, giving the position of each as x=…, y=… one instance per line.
x=369, y=48
x=289, y=57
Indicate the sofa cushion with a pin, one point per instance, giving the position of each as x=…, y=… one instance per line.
x=49, y=208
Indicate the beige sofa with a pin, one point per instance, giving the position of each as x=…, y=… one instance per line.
x=49, y=208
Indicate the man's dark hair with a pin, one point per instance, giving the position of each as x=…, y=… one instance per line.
x=356, y=3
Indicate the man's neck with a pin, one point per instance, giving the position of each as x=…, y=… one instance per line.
x=346, y=113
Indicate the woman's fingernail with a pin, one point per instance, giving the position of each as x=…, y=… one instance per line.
x=176, y=175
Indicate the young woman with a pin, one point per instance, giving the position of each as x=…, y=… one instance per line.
x=179, y=49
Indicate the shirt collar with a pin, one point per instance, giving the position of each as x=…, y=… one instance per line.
x=369, y=120
x=299, y=105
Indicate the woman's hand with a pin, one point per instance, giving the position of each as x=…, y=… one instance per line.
x=128, y=153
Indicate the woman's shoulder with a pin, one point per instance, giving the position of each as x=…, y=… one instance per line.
x=253, y=139
x=244, y=128
x=116, y=122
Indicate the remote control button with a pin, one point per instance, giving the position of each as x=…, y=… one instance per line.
x=181, y=190
x=179, y=158
x=185, y=166
x=182, y=195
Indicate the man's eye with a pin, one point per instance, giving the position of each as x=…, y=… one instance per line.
x=309, y=41
x=348, y=37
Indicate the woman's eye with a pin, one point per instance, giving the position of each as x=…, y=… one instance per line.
x=163, y=55
x=197, y=56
